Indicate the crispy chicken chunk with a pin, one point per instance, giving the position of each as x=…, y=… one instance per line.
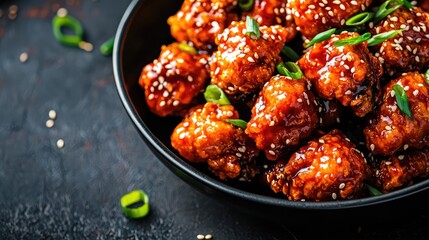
x=330, y=168
x=205, y=136
x=402, y=169
x=408, y=51
x=200, y=21
x=284, y=114
x=172, y=81
x=348, y=73
x=389, y=129
x=273, y=12
x=242, y=64
x=313, y=17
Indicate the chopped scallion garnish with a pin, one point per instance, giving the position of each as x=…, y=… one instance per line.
x=372, y=190
x=321, y=37
x=290, y=53
x=379, y=38
x=353, y=41
x=63, y=20
x=252, y=28
x=133, y=198
x=387, y=8
x=187, y=48
x=216, y=95
x=289, y=69
x=246, y=5
x=427, y=76
x=407, y=4
x=237, y=123
x=359, y=19
x=402, y=100
x=107, y=47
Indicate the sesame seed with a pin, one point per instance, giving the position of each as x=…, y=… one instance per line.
x=60, y=143
x=372, y=147
x=401, y=157
x=200, y=237
x=50, y=123
x=23, y=57
x=416, y=92
x=342, y=186
x=338, y=160
x=406, y=146
x=208, y=236
x=271, y=152
x=388, y=128
x=52, y=114
x=334, y=196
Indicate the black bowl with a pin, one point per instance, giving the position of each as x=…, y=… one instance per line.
x=141, y=33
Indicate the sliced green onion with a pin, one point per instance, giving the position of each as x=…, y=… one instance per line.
x=353, y=41
x=66, y=21
x=237, y=123
x=246, y=5
x=187, y=48
x=107, y=47
x=289, y=69
x=290, y=53
x=427, y=76
x=321, y=37
x=379, y=38
x=132, y=198
x=359, y=19
x=387, y=8
x=407, y=4
x=252, y=28
x=402, y=100
x=372, y=190
x=216, y=95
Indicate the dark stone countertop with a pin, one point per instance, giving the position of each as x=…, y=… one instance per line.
x=74, y=192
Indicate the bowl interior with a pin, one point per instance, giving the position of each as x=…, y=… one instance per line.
x=142, y=31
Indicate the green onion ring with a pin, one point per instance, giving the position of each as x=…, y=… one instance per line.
x=353, y=41
x=387, y=8
x=289, y=69
x=134, y=197
x=246, y=5
x=187, y=48
x=216, y=95
x=427, y=76
x=359, y=19
x=252, y=28
x=402, y=100
x=60, y=22
x=379, y=38
x=237, y=123
x=372, y=190
x=107, y=47
x=290, y=53
x=321, y=37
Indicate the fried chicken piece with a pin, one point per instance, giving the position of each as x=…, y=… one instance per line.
x=313, y=17
x=424, y=4
x=389, y=129
x=273, y=12
x=330, y=168
x=172, y=81
x=408, y=51
x=205, y=136
x=242, y=64
x=284, y=114
x=348, y=73
x=200, y=21
x=401, y=170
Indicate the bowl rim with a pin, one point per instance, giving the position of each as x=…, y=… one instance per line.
x=212, y=183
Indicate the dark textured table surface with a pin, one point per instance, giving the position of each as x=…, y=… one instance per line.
x=73, y=192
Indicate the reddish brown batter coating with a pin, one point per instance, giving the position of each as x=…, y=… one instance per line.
x=315, y=16
x=408, y=51
x=330, y=168
x=424, y=4
x=200, y=21
x=172, y=81
x=242, y=64
x=272, y=12
x=402, y=169
x=205, y=136
x=284, y=114
x=389, y=129
x=348, y=73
